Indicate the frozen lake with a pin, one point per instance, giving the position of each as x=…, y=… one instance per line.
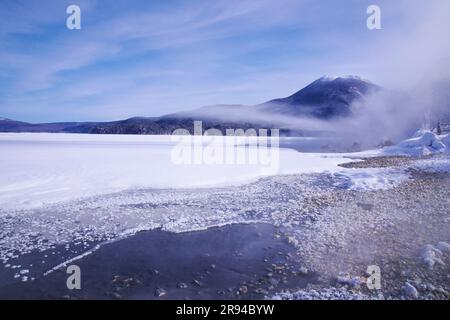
x=45, y=168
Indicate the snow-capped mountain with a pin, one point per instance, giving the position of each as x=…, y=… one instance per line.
x=325, y=98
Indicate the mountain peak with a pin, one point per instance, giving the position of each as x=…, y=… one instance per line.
x=329, y=78
x=327, y=97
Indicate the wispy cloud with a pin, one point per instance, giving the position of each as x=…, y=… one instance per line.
x=155, y=57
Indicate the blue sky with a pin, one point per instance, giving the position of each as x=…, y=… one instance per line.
x=150, y=58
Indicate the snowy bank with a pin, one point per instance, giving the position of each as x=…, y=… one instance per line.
x=38, y=169
x=423, y=143
x=41, y=168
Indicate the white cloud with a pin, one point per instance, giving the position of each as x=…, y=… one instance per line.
x=143, y=61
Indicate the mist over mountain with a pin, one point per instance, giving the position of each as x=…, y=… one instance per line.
x=329, y=104
x=325, y=98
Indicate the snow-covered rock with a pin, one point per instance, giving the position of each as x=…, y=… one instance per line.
x=423, y=143
x=427, y=139
x=446, y=140
x=410, y=291
x=443, y=247
x=431, y=255
x=352, y=282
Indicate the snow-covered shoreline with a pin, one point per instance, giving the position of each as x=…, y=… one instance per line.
x=319, y=203
x=327, y=221
x=81, y=223
x=39, y=169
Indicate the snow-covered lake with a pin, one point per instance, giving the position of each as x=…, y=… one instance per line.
x=85, y=189
x=44, y=168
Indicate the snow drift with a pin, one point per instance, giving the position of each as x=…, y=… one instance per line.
x=423, y=143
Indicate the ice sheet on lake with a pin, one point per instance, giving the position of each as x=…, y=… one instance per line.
x=39, y=169
x=84, y=189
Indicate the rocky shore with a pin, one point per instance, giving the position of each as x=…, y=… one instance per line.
x=326, y=233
